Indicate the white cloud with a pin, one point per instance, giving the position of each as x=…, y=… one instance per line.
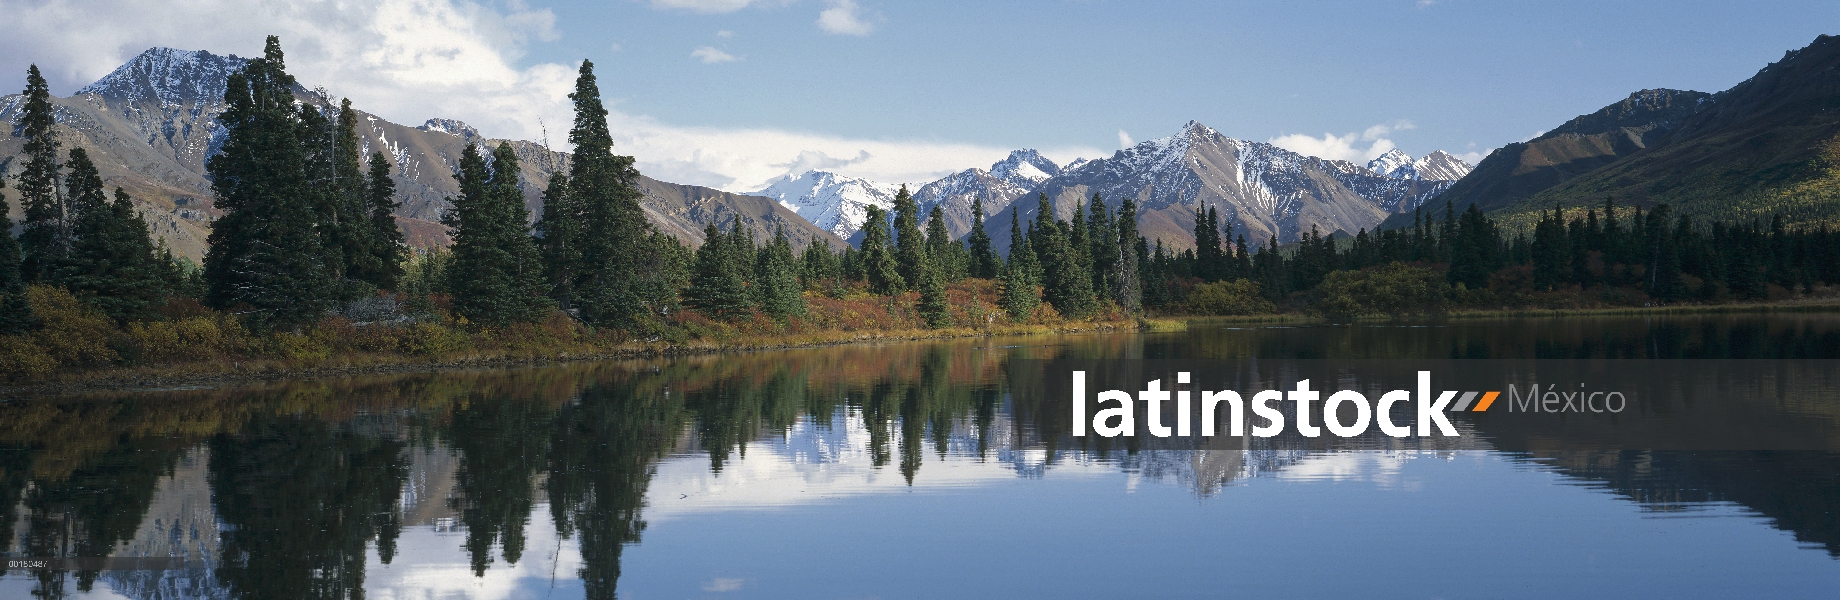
x=725, y=34
x=1344, y=147
x=411, y=60
x=844, y=18
x=615, y=47
x=1424, y=4
x=1124, y=140
x=711, y=55
x=702, y=6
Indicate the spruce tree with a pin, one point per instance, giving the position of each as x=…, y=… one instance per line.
x=1020, y=297
x=1066, y=277
x=265, y=259
x=818, y=265
x=718, y=284
x=984, y=261
x=113, y=265
x=623, y=278
x=776, y=279
x=46, y=236
x=15, y=312
x=496, y=276
x=1102, y=247
x=910, y=246
x=560, y=233
x=933, y=306
x=877, y=258
x=947, y=254
x=1128, y=287
x=384, y=265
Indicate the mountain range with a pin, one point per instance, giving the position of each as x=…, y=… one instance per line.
x=151, y=124
x=1768, y=145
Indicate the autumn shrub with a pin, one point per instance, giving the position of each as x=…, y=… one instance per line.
x=190, y=339
x=430, y=339
x=22, y=360
x=1395, y=289
x=1222, y=298
x=72, y=333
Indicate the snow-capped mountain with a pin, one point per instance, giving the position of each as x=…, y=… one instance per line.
x=1007, y=180
x=1436, y=166
x=1262, y=190
x=152, y=123
x=835, y=203
x=839, y=203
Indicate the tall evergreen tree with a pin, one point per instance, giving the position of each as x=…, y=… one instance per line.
x=947, y=255
x=112, y=264
x=1017, y=285
x=15, y=312
x=910, y=245
x=818, y=266
x=776, y=277
x=879, y=266
x=559, y=230
x=623, y=277
x=1102, y=247
x=933, y=307
x=496, y=275
x=984, y=261
x=1066, y=279
x=1128, y=286
x=718, y=282
x=46, y=236
x=265, y=259
x=384, y=264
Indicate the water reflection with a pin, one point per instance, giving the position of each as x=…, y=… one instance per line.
x=295, y=489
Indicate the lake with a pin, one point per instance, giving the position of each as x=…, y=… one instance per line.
x=937, y=469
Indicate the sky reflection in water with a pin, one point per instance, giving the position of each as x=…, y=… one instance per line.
x=895, y=471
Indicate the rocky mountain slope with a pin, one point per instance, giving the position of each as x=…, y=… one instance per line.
x=152, y=123
x=1520, y=170
x=1770, y=144
x=1005, y=182
x=1264, y=191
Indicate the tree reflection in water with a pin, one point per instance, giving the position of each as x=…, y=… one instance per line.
x=307, y=476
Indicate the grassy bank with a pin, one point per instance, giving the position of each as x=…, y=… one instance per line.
x=77, y=348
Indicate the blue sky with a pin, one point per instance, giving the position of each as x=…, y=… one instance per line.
x=729, y=93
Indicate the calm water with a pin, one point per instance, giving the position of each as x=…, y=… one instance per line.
x=907, y=471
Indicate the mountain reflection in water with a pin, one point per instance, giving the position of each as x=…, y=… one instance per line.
x=302, y=489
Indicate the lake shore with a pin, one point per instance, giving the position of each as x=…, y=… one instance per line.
x=233, y=372
x=227, y=373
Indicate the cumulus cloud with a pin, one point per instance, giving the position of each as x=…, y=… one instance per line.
x=411, y=60
x=710, y=55
x=702, y=6
x=725, y=34
x=1124, y=139
x=1346, y=147
x=844, y=18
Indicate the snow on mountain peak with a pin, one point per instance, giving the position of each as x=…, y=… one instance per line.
x=1441, y=166
x=1394, y=163
x=451, y=127
x=1024, y=168
x=837, y=203
x=169, y=76
x=1436, y=166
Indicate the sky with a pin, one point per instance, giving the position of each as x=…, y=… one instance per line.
x=733, y=93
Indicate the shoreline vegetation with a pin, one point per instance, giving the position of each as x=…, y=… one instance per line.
x=307, y=273
x=338, y=348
